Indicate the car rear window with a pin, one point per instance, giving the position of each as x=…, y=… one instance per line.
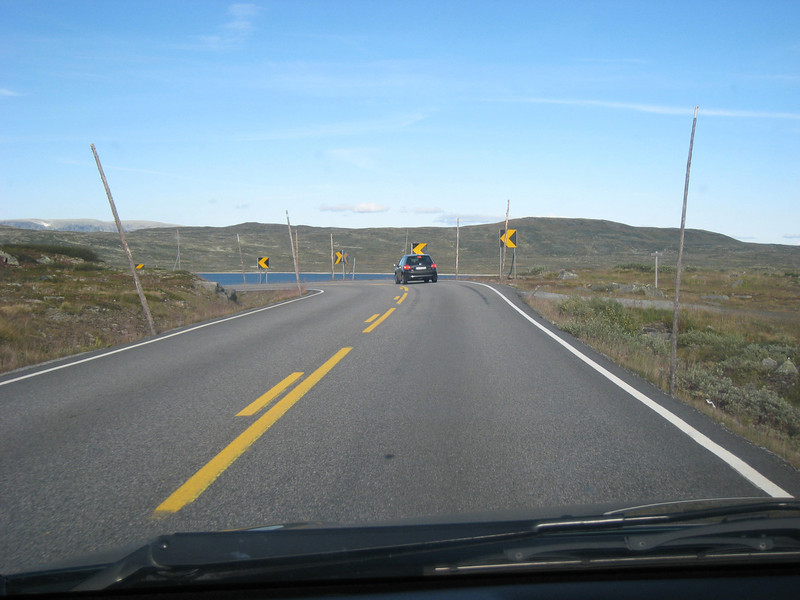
x=419, y=260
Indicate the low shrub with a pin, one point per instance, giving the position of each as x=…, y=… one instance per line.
x=758, y=405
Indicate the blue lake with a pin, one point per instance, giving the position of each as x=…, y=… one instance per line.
x=234, y=278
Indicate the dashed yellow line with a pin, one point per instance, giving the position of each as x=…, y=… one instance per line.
x=200, y=481
x=403, y=297
x=372, y=318
x=383, y=317
x=268, y=397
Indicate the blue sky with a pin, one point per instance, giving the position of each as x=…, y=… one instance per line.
x=379, y=113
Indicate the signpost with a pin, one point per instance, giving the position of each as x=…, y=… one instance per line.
x=508, y=239
x=341, y=257
x=656, y=254
x=263, y=263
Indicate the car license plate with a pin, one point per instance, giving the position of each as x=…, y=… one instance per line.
x=420, y=268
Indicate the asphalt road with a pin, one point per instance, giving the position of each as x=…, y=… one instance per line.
x=360, y=402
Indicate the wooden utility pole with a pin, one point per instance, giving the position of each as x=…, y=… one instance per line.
x=458, y=236
x=673, y=363
x=294, y=256
x=297, y=245
x=241, y=258
x=332, y=260
x=138, y=285
x=178, y=258
x=504, y=244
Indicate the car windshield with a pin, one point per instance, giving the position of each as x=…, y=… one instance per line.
x=298, y=265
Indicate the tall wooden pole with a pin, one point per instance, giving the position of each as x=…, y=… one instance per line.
x=241, y=258
x=673, y=363
x=177, y=264
x=297, y=245
x=332, y=260
x=294, y=256
x=138, y=285
x=458, y=236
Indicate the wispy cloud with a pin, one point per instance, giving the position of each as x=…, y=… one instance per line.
x=363, y=158
x=6, y=93
x=792, y=236
x=451, y=218
x=238, y=27
x=613, y=61
x=391, y=123
x=364, y=207
x=422, y=210
x=665, y=110
x=67, y=161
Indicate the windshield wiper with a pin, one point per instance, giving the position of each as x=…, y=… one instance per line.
x=745, y=530
x=336, y=552
x=759, y=535
x=617, y=519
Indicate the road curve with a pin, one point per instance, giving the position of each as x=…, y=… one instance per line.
x=365, y=401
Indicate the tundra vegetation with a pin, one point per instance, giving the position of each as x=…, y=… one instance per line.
x=738, y=337
x=61, y=300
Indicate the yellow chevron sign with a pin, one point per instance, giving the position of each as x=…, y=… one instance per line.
x=263, y=262
x=418, y=247
x=509, y=238
x=140, y=266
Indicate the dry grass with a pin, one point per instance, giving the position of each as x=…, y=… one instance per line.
x=52, y=310
x=722, y=342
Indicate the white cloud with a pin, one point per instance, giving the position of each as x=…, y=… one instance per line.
x=234, y=31
x=387, y=124
x=450, y=219
x=364, y=207
x=7, y=93
x=242, y=16
x=666, y=110
x=363, y=158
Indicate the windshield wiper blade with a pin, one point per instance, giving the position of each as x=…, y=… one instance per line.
x=756, y=534
x=760, y=535
x=618, y=519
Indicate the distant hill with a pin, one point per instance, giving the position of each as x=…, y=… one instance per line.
x=553, y=243
x=79, y=224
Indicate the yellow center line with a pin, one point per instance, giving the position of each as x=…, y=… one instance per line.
x=372, y=318
x=403, y=297
x=200, y=481
x=269, y=396
x=384, y=316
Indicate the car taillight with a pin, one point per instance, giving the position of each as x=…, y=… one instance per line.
x=433, y=266
x=406, y=268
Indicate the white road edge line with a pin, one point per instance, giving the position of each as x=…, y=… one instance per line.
x=736, y=463
x=159, y=339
